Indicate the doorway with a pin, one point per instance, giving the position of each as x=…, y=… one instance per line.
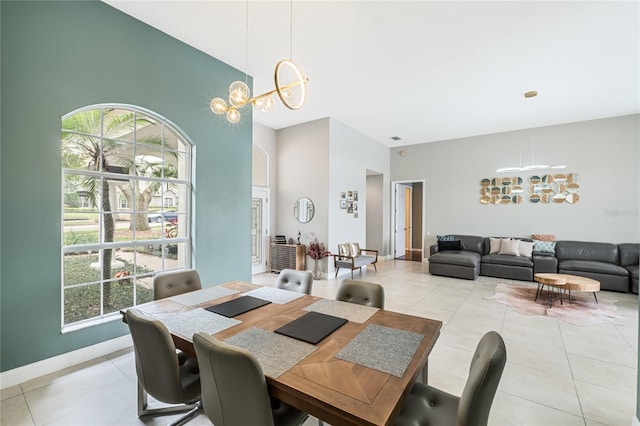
x=259, y=230
x=408, y=220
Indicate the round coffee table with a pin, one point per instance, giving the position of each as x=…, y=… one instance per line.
x=566, y=282
x=578, y=283
x=552, y=281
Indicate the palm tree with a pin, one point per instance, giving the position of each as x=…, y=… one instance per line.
x=89, y=143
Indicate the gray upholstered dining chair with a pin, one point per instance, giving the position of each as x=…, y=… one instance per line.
x=172, y=283
x=234, y=388
x=362, y=293
x=299, y=281
x=168, y=376
x=426, y=405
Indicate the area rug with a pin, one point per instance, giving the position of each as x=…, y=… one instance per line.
x=582, y=311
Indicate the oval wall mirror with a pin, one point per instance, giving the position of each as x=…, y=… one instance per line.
x=303, y=210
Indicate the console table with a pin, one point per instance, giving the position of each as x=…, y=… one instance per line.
x=288, y=256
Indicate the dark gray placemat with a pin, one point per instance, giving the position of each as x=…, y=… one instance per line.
x=382, y=348
x=276, y=353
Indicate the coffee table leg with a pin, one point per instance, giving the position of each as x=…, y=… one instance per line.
x=594, y=296
x=538, y=291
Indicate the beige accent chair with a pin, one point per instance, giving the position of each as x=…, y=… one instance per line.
x=298, y=281
x=169, y=377
x=426, y=405
x=168, y=284
x=234, y=388
x=362, y=293
x=352, y=257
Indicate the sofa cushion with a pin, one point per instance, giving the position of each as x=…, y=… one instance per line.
x=543, y=237
x=592, y=266
x=629, y=254
x=449, y=245
x=453, y=257
x=344, y=249
x=633, y=271
x=526, y=249
x=445, y=237
x=511, y=247
x=354, y=249
x=544, y=246
x=587, y=251
x=503, y=259
x=494, y=245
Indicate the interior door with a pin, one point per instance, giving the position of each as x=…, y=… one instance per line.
x=408, y=197
x=401, y=221
x=259, y=230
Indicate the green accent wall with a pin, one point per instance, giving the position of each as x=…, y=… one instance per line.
x=58, y=56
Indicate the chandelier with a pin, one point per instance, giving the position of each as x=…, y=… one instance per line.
x=292, y=94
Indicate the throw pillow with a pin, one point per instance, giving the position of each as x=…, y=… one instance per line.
x=354, y=249
x=526, y=248
x=449, y=245
x=543, y=237
x=511, y=247
x=445, y=237
x=494, y=245
x=344, y=249
x=544, y=246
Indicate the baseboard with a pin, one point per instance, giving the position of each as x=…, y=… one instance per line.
x=50, y=365
x=635, y=421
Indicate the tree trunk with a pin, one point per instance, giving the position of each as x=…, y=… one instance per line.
x=109, y=229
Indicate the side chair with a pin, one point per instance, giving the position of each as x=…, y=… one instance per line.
x=234, y=388
x=361, y=292
x=168, y=284
x=426, y=405
x=170, y=377
x=299, y=281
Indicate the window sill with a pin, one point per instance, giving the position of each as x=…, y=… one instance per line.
x=91, y=322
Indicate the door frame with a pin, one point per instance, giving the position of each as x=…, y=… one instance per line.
x=263, y=192
x=394, y=220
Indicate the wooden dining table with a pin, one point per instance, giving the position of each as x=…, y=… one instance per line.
x=336, y=391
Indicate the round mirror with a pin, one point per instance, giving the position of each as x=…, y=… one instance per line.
x=303, y=210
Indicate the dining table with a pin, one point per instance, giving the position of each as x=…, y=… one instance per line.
x=359, y=374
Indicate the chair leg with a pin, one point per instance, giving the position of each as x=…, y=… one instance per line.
x=337, y=269
x=144, y=410
x=375, y=267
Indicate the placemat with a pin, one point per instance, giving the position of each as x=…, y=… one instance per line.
x=237, y=306
x=382, y=348
x=275, y=353
x=275, y=295
x=349, y=311
x=187, y=323
x=197, y=297
x=312, y=327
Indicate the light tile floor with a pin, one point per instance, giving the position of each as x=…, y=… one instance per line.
x=556, y=373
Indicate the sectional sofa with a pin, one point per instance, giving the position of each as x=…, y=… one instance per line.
x=468, y=256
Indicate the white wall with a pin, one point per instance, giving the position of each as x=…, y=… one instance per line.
x=267, y=139
x=303, y=171
x=605, y=153
x=375, y=214
x=351, y=154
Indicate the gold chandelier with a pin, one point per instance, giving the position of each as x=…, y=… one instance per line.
x=239, y=94
x=293, y=94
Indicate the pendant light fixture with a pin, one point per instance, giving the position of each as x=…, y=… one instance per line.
x=292, y=94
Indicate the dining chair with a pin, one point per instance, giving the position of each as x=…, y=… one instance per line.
x=234, y=388
x=426, y=405
x=362, y=293
x=172, y=283
x=299, y=281
x=170, y=377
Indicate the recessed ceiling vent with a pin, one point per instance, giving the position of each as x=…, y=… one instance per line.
x=396, y=138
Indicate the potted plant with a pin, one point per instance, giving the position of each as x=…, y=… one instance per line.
x=317, y=251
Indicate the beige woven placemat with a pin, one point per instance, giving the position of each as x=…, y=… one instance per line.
x=348, y=311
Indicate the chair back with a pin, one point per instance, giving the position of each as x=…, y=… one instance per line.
x=234, y=389
x=159, y=371
x=362, y=293
x=172, y=283
x=299, y=281
x=485, y=372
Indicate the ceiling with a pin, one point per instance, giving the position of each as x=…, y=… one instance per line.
x=423, y=70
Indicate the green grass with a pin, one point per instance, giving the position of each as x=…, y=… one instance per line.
x=82, y=303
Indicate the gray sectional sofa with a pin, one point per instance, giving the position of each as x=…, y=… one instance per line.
x=614, y=265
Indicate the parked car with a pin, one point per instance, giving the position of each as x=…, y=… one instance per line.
x=170, y=216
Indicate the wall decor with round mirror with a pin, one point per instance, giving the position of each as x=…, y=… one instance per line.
x=303, y=210
x=541, y=189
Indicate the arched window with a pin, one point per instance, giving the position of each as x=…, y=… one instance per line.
x=119, y=165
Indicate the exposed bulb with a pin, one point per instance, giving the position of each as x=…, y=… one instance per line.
x=267, y=103
x=288, y=94
x=238, y=93
x=233, y=115
x=218, y=106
